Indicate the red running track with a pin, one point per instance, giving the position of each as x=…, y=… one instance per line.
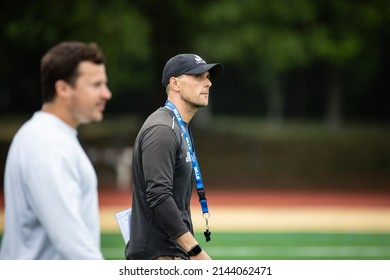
x=253, y=197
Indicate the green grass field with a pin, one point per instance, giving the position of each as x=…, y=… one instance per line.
x=280, y=246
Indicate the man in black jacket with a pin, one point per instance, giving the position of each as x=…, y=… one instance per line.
x=162, y=168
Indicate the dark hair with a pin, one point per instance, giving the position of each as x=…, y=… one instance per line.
x=61, y=63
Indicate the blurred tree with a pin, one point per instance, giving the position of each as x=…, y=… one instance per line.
x=28, y=30
x=264, y=44
x=264, y=38
x=269, y=37
x=344, y=35
x=173, y=28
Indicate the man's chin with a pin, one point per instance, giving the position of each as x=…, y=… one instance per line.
x=93, y=119
x=98, y=118
x=203, y=105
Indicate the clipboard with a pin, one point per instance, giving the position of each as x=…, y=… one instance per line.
x=123, y=219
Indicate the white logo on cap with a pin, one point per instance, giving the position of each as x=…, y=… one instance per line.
x=199, y=60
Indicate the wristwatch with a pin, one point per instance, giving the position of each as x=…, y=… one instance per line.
x=194, y=250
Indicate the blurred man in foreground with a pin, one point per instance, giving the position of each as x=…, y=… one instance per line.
x=51, y=200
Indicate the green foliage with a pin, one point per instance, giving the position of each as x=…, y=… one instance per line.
x=117, y=28
x=268, y=41
x=265, y=33
x=281, y=35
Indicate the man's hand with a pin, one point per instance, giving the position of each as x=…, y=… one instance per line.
x=201, y=256
x=187, y=241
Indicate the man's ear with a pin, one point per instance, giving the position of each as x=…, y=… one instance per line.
x=174, y=83
x=62, y=88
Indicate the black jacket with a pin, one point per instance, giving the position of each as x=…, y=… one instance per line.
x=162, y=183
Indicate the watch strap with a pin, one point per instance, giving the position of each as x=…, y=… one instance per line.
x=194, y=250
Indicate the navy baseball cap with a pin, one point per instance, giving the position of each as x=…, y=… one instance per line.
x=191, y=64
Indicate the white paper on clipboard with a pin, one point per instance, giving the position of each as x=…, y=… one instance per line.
x=124, y=221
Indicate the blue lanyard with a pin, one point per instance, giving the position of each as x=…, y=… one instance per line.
x=195, y=166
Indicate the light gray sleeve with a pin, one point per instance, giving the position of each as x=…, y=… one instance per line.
x=54, y=193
